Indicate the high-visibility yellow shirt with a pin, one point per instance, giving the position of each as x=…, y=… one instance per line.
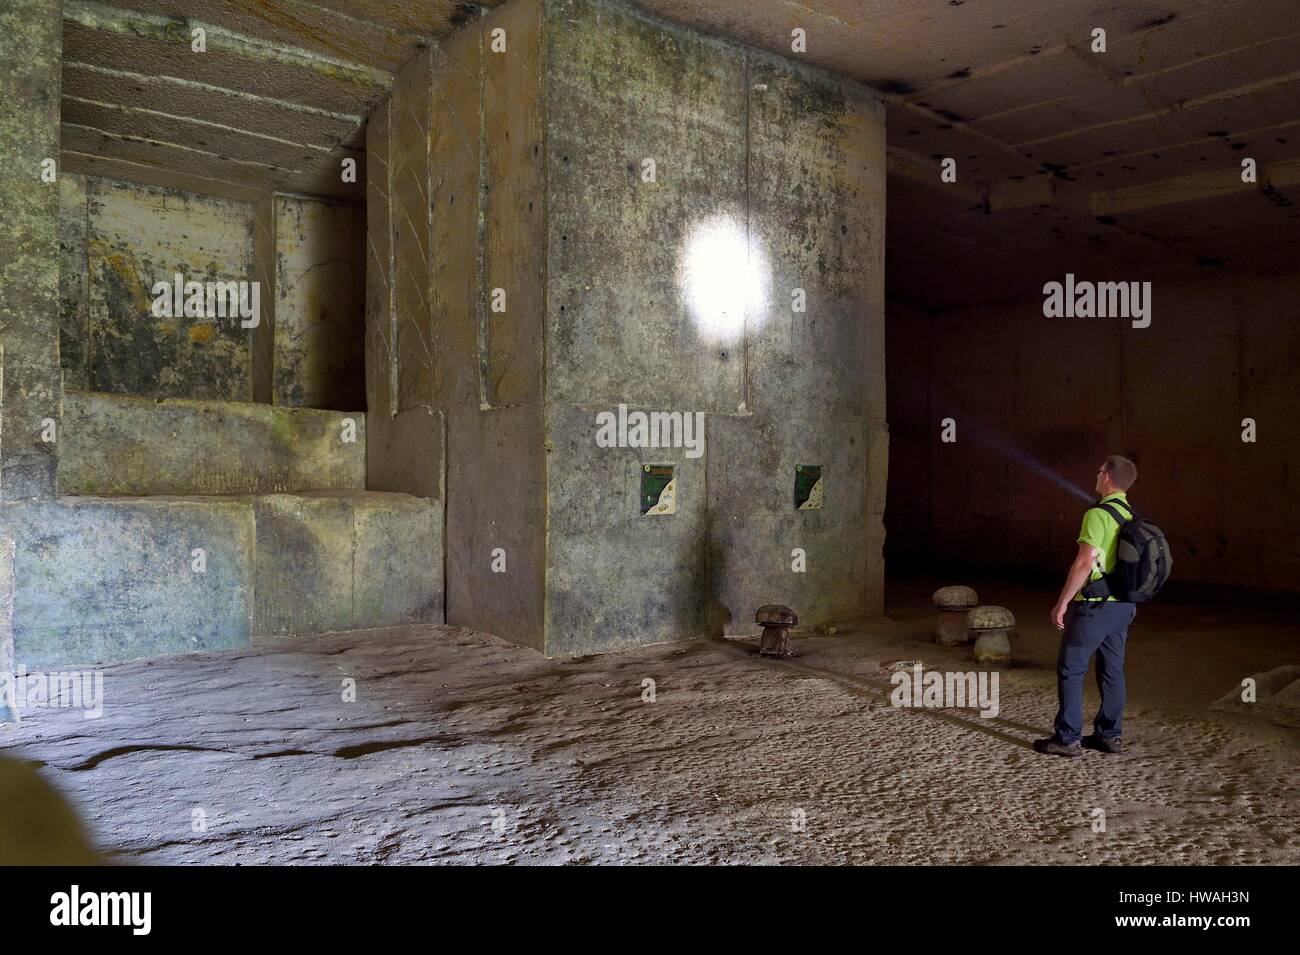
x=1102, y=532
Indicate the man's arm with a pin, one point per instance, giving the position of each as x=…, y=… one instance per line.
x=1078, y=575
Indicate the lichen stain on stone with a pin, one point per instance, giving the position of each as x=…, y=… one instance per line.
x=126, y=274
x=803, y=133
x=139, y=236
x=126, y=348
x=462, y=14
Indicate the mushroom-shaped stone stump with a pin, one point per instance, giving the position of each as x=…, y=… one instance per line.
x=777, y=619
x=953, y=604
x=992, y=628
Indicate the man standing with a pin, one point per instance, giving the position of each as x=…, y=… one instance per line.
x=1094, y=622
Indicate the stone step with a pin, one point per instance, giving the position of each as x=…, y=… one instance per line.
x=98, y=579
x=116, y=445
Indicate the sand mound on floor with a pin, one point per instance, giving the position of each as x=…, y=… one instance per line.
x=1277, y=697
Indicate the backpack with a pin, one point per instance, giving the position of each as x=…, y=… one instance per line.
x=1142, y=560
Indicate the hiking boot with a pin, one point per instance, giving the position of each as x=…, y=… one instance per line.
x=1104, y=744
x=1054, y=747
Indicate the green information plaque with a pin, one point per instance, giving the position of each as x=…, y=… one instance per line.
x=658, y=490
x=807, y=487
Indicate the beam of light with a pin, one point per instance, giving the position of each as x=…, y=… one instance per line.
x=1033, y=464
x=723, y=277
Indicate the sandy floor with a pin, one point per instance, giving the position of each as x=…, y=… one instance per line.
x=461, y=748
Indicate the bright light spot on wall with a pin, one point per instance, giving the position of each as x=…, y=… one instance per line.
x=723, y=277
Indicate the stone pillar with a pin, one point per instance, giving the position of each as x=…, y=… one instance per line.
x=31, y=34
x=404, y=447
x=585, y=208
x=739, y=276
x=8, y=698
x=264, y=275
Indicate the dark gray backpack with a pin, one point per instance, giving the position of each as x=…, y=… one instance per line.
x=1142, y=559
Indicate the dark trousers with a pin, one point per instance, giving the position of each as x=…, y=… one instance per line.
x=1102, y=628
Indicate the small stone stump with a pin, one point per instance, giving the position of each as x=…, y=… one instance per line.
x=992, y=629
x=953, y=603
x=777, y=619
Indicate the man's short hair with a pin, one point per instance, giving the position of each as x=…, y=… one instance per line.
x=1122, y=471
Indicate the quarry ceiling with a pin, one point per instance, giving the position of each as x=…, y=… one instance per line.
x=1067, y=159
x=277, y=101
